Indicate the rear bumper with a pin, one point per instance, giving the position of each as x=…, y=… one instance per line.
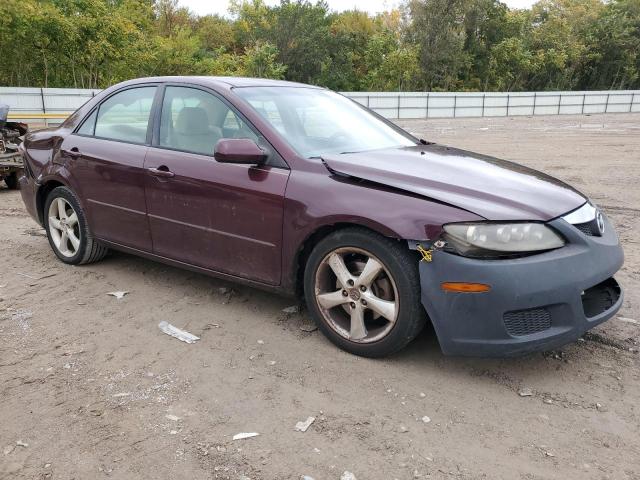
x=29, y=190
x=535, y=303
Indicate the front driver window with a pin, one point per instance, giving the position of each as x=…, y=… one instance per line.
x=194, y=120
x=125, y=116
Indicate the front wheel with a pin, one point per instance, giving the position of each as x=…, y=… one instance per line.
x=67, y=229
x=363, y=291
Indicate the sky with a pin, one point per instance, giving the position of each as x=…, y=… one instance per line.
x=204, y=7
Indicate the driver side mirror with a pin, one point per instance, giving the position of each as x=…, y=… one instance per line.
x=239, y=150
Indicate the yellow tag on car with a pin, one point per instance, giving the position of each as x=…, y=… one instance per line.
x=426, y=254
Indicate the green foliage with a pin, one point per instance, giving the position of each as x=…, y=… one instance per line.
x=423, y=45
x=260, y=61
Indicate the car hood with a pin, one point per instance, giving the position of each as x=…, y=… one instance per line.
x=492, y=188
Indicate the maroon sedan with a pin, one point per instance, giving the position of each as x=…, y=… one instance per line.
x=300, y=190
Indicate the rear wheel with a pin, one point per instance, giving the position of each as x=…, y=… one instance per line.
x=67, y=229
x=12, y=181
x=363, y=291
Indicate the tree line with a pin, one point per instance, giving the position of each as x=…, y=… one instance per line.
x=433, y=45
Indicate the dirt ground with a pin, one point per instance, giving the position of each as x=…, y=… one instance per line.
x=90, y=388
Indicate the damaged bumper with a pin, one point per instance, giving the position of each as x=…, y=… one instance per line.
x=538, y=302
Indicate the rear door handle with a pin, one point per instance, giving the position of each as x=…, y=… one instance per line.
x=73, y=153
x=161, y=171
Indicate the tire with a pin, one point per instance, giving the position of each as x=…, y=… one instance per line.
x=12, y=181
x=397, y=283
x=86, y=249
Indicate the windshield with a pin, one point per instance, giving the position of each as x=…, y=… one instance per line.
x=317, y=122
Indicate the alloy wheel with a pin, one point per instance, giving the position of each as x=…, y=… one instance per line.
x=64, y=227
x=356, y=295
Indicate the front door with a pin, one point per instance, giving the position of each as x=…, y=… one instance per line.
x=106, y=156
x=223, y=217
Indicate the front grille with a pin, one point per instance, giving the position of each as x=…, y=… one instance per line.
x=589, y=228
x=526, y=322
x=600, y=298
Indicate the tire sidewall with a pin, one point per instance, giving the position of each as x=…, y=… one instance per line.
x=407, y=286
x=66, y=194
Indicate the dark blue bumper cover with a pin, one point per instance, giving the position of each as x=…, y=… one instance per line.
x=549, y=287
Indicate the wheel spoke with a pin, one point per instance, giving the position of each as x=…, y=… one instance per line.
x=369, y=273
x=75, y=241
x=332, y=299
x=72, y=219
x=55, y=223
x=62, y=208
x=358, y=330
x=55, y=236
x=385, y=308
x=336, y=262
x=63, y=247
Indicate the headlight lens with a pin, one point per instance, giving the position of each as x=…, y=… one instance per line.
x=496, y=239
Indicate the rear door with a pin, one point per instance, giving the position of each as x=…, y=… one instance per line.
x=106, y=156
x=223, y=217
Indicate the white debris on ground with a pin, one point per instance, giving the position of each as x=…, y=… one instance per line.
x=118, y=294
x=348, y=476
x=304, y=426
x=243, y=435
x=629, y=320
x=525, y=392
x=426, y=419
x=175, y=332
x=292, y=309
x=22, y=317
x=309, y=327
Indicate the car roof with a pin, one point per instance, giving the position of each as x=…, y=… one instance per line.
x=225, y=82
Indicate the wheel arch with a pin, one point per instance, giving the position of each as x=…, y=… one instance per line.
x=43, y=193
x=316, y=236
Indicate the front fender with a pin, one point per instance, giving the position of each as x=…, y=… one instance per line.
x=315, y=200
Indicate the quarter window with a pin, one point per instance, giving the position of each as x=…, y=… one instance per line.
x=125, y=115
x=194, y=120
x=89, y=125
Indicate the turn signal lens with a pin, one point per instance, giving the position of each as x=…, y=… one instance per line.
x=465, y=287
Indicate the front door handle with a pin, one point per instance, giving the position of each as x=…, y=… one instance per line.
x=73, y=153
x=161, y=171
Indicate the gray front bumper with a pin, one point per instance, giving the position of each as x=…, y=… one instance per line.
x=552, y=282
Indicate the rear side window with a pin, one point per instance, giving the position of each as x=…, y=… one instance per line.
x=125, y=115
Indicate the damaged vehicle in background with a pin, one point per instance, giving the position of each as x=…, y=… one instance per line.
x=297, y=189
x=10, y=138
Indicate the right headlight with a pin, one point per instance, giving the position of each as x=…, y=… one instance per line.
x=499, y=239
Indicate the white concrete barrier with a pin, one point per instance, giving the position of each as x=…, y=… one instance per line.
x=52, y=104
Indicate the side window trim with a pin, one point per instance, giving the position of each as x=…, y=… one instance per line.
x=96, y=108
x=157, y=118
